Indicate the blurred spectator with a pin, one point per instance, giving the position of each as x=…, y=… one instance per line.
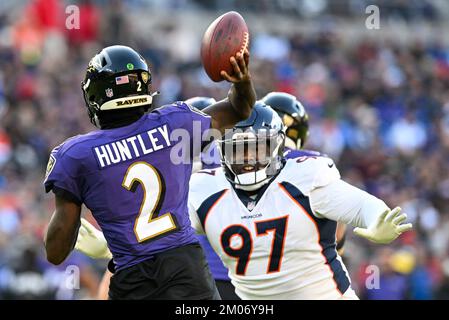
x=407, y=135
x=393, y=282
x=27, y=275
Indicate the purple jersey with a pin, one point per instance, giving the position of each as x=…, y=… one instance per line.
x=134, y=181
x=216, y=266
x=293, y=153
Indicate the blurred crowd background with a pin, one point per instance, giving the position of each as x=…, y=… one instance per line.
x=378, y=102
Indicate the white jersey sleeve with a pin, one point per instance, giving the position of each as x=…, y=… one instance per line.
x=345, y=203
x=332, y=198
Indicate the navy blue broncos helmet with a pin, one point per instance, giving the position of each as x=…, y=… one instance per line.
x=252, y=151
x=293, y=115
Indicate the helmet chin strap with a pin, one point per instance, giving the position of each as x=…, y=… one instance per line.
x=96, y=121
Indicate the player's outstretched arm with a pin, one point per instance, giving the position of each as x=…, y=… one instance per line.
x=241, y=97
x=342, y=202
x=62, y=231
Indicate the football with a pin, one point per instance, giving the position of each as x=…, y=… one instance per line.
x=224, y=37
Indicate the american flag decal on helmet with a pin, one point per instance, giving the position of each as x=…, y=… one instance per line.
x=122, y=80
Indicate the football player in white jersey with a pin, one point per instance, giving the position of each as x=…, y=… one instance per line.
x=273, y=220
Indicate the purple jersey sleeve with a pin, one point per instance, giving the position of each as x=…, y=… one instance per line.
x=194, y=121
x=293, y=153
x=62, y=173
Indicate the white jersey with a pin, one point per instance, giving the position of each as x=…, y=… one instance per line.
x=276, y=247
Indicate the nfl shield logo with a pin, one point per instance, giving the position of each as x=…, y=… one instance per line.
x=251, y=205
x=109, y=93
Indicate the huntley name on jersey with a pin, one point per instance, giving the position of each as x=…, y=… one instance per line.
x=133, y=147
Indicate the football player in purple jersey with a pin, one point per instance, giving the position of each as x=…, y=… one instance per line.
x=133, y=179
x=296, y=121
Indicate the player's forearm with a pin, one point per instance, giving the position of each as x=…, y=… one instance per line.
x=370, y=210
x=242, y=98
x=62, y=230
x=59, y=242
x=345, y=203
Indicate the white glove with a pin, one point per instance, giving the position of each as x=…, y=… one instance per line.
x=91, y=242
x=386, y=228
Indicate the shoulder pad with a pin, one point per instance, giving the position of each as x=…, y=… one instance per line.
x=205, y=183
x=310, y=172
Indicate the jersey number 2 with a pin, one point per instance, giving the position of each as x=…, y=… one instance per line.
x=148, y=224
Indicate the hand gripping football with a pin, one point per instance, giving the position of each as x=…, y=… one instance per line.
x=224, y=37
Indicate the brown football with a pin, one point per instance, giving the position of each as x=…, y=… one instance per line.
x=224, y=37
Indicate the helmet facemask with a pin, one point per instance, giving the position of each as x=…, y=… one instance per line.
x=251, y=158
